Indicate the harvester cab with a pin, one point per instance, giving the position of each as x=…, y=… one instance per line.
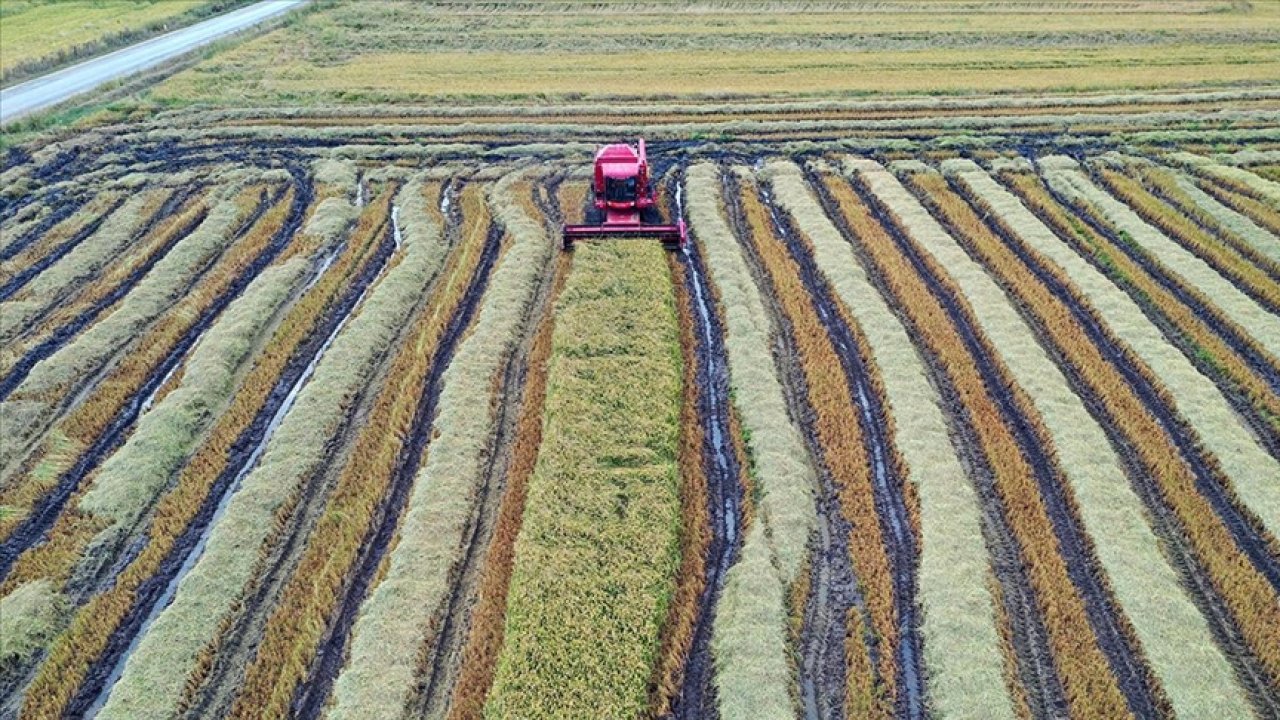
x=623, y=202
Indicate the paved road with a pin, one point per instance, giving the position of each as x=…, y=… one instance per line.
x=54, y=88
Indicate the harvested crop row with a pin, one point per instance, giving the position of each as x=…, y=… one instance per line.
x=1239, y=234
x=1091, y=687
x=1194, y=199
x=485, y=636
x=871, y=688
x=97, y=227
x=749, y=640
x=398, y=417
x=1194, y=674
x=596, y=557
x=1238, y=179
x=961, y=645
x=1256, y=210
x=130, y=479
x=42, y=330
x=1063, y=175
x=173, y=652
x=1251, y=279
x=46, y=387
x=85, y=425
x=93, y=629
x=1027, y=654
x=1204, y=409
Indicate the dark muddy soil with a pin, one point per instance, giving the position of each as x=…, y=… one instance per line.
x=834, y=589
x=1034, y=654
x=891, y=504
x=697, y=699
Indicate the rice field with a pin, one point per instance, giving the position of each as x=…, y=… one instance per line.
x=954, y=406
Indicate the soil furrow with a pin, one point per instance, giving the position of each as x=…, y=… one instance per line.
x=63, y=208
x=65, y=332
x=1074, y=545
x=1169, y=528
x=21, y=278
x=311, y=695
x=888, y=487
x=1030, y=637
x=1106, y=616
x=1252, y=539
x=34, y=526
x=833, y=586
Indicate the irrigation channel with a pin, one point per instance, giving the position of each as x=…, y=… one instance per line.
x=696, y=699
x=155, y=594
x=36, y=525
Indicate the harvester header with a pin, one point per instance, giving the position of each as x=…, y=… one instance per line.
x=623, y=201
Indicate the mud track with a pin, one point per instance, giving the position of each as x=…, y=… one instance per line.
x=157, y=591
x=696, y=699
x=1256, y=360
x=887, y=485
x=1166, y=523
x=63, y=208
x=443, y=655
x=1032, y=648
x=35, y=526
x=310, y=697
x=833, y=584
x=1075, y=546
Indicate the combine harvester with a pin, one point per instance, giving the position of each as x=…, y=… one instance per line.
x=624, y=204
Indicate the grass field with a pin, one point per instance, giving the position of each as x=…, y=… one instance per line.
x=38, y=35
x=962, y=400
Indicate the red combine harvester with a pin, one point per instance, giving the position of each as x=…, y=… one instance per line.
x=624, y=205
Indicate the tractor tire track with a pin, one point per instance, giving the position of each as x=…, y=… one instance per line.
x=833, y=585
x=1165, y=521
x=890, y=502
x=34, y=527
x=63, y=208
x=453, y=619
x=154, y=594
x=1074, y=545
x=1031, y=643
x=311, y=695
x=697, y=697
x=1240, y=344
